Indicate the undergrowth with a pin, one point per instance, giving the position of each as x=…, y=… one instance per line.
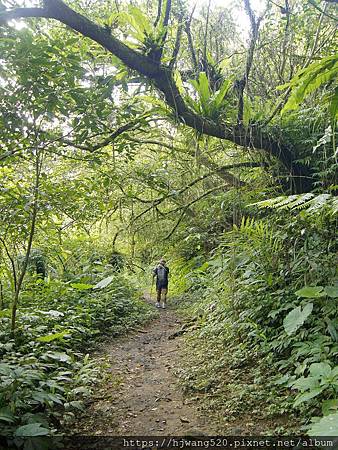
x=45, y=370
x=265, y=345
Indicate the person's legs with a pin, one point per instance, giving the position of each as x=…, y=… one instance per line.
x=164, y=297
x=158, y=298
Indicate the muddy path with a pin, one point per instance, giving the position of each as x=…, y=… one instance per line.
x=142, y=395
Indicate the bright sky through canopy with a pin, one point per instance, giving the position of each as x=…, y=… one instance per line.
x=237, y=9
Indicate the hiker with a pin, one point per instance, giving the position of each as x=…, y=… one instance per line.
x=161, y=272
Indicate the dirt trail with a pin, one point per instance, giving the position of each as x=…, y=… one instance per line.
x=143, y=397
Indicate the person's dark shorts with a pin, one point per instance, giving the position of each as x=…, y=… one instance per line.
x=161, y=286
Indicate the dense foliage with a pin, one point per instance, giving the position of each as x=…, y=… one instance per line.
x=45, y=372
x=270, y=295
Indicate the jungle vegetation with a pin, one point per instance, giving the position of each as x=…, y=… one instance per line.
x=135, y=129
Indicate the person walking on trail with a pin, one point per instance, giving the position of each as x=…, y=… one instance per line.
x=161, y=272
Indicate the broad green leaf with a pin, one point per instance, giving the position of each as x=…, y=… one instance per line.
x=219, y=95
x=216, y=262
x=52, y=337
x=332, y=291
x=104, y=283
x=311, y=292
x=77, y=404
x=140, y=20
x=32, y=429
x=320, y=370
x=59, y=356
x=327, y=426
x=305, y=383
x=194, y=105
x=307, y=396
x=203, y=88
x=296, y=318
x=160, y=24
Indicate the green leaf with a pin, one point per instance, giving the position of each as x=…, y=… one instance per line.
x=81, y=286
x=306, y=383
x=334, y=372
x=5, y=313
x=58, y=356
x=296, y=318
x=311, y=292
x=320, y=370
x=77, y=404
x=219, y=95
x=307, y=396
x=309, y=79
x=5, y=369
x=333, y=105
x=6, y=415
x=53, y=337
x=331, y=328
x=282, y=380
x=329, y=406
x=32, y=429
x=140, y=20
x=179, y=82
x=332, y=291
x=203, y=90
x=104, y=283
x=327, y=426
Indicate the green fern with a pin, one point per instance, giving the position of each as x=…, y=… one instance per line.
x=309, y=201
x=257, y=231
x=310, y=79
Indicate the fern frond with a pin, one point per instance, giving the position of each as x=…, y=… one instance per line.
x=319, y=202
x=309, y=202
